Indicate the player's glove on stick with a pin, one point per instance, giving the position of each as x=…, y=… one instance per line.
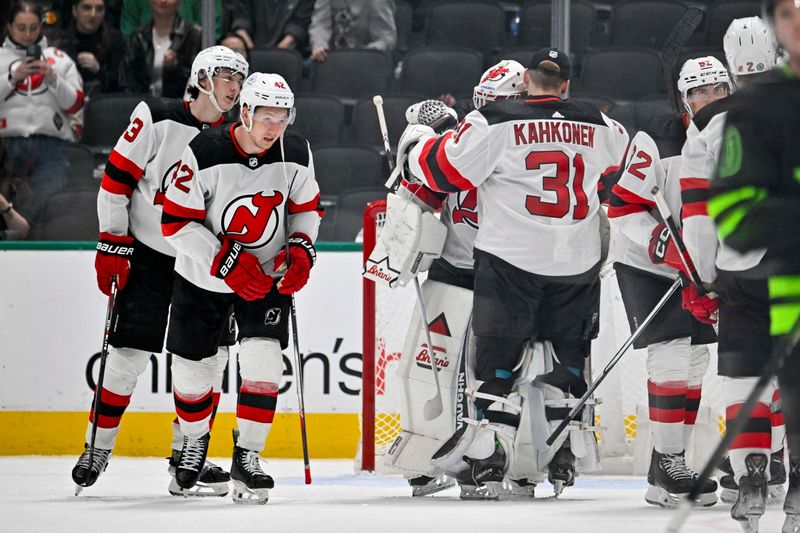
x=704, y=308
x=663, y=251
x=114, y=253
x=241, y=271
x=302, y=257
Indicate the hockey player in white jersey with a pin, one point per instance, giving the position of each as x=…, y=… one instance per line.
x=536, y=164
x=132, y=250
x=646, y=264
x=447, y=292
x=242, y=193
x=756, y=456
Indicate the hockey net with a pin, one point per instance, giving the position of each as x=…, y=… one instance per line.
x=625, y=442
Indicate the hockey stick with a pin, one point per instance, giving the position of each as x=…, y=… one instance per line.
x=110, y=309
x=434, y=406
x=676, y=40
x=781, y=352
x=298, y=362
x=612, y=363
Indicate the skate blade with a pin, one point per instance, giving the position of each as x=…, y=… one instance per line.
x=660, y=497
x=244, y=495
x=200, y=490
x=750, y=525
x=78, y=489
x=489, y=491
x=792, y=524
x=433, y=487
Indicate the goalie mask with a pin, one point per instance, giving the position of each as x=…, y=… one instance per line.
x=750, y=47
x=700, y=72
x=269, y=90
x=503, y=80
x=209, y=61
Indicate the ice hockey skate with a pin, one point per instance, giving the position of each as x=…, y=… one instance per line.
x=191, y=461
x=82, y=475
x=752, y=498
x=777, y=479
x=562, y=469
x=518, y=489
x=213, y=480
x=427, y=485
x=670, y=480
x=250, y=484
x=791, y=505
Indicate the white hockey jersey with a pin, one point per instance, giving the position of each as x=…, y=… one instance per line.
x=536, y=164
x=218, y=191
x=140, y=167
x=632, y=208
x=459, y=215
x=31, y=106
x=698, y=164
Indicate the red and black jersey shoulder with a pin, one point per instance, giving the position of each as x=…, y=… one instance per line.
x=542, y=108
x=175, y=110
x=218, y=146
x=668, y=130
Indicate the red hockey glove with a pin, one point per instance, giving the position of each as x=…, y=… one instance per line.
x=113, y=258
x=241, y=271
x=663, y=251
x=302, y=257
x=704, y=308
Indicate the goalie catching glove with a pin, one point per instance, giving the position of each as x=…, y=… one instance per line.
x=241, y=271
x=302, y=256
x=114, y=253
x=428, y=117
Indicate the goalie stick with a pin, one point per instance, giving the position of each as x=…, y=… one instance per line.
x=676, y=40
x=98, y=390
x=434, y=407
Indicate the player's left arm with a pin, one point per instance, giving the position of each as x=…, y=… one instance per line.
x=68, y=86
x=698, y=163
x=443, y=162
x=304, y=215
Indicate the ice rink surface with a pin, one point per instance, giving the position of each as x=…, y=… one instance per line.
x=36, y=495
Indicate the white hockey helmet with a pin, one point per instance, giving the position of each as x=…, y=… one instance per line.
x=504, y=80
x=211, y=59
x=750, y=47
x=701, y=71
x=269, y=90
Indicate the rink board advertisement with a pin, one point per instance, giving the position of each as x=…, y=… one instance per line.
x=51, y=326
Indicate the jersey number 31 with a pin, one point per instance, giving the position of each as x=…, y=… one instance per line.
x=558, y=184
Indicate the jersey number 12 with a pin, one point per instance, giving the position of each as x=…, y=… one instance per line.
x=558, y=184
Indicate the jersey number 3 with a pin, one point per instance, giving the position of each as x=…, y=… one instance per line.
x=133, y=130
x=559, y=184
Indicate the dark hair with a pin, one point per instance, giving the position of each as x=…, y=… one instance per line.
x=234, y=35
x=547, y=77
x=104, y=41
x=25, y=6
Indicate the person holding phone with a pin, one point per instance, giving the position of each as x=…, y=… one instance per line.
x=40, y=92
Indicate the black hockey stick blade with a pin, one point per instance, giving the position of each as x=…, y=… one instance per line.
x=676, y=40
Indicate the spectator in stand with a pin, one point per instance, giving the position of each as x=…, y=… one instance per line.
x=96, y=48
x=160, y=53
x=13, y=226
x=236, y=42
x=342, y=24
x=137, y=13
x=41, y=93
x=273, y=23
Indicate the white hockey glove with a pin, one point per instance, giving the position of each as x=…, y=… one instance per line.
x=410, y=137
x=428, y=117
x=409, y=242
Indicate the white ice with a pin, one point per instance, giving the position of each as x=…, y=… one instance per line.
x=36, y=495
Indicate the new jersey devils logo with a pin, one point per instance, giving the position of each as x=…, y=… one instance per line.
x=252, y=219
x=496, y=74
x=33, y=84
x=466, y=209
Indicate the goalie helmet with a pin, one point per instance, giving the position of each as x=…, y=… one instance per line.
x=209, y=61
x=503, y=80
x=269, y=90
x=698, y=72
x=750, y=47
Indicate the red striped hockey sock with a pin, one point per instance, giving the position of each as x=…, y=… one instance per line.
x=194, y=412
x=255, y=411
x=756, y=437
x=667, y=414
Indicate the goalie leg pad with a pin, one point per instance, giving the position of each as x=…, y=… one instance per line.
x=261, y=366
x=123, y=368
